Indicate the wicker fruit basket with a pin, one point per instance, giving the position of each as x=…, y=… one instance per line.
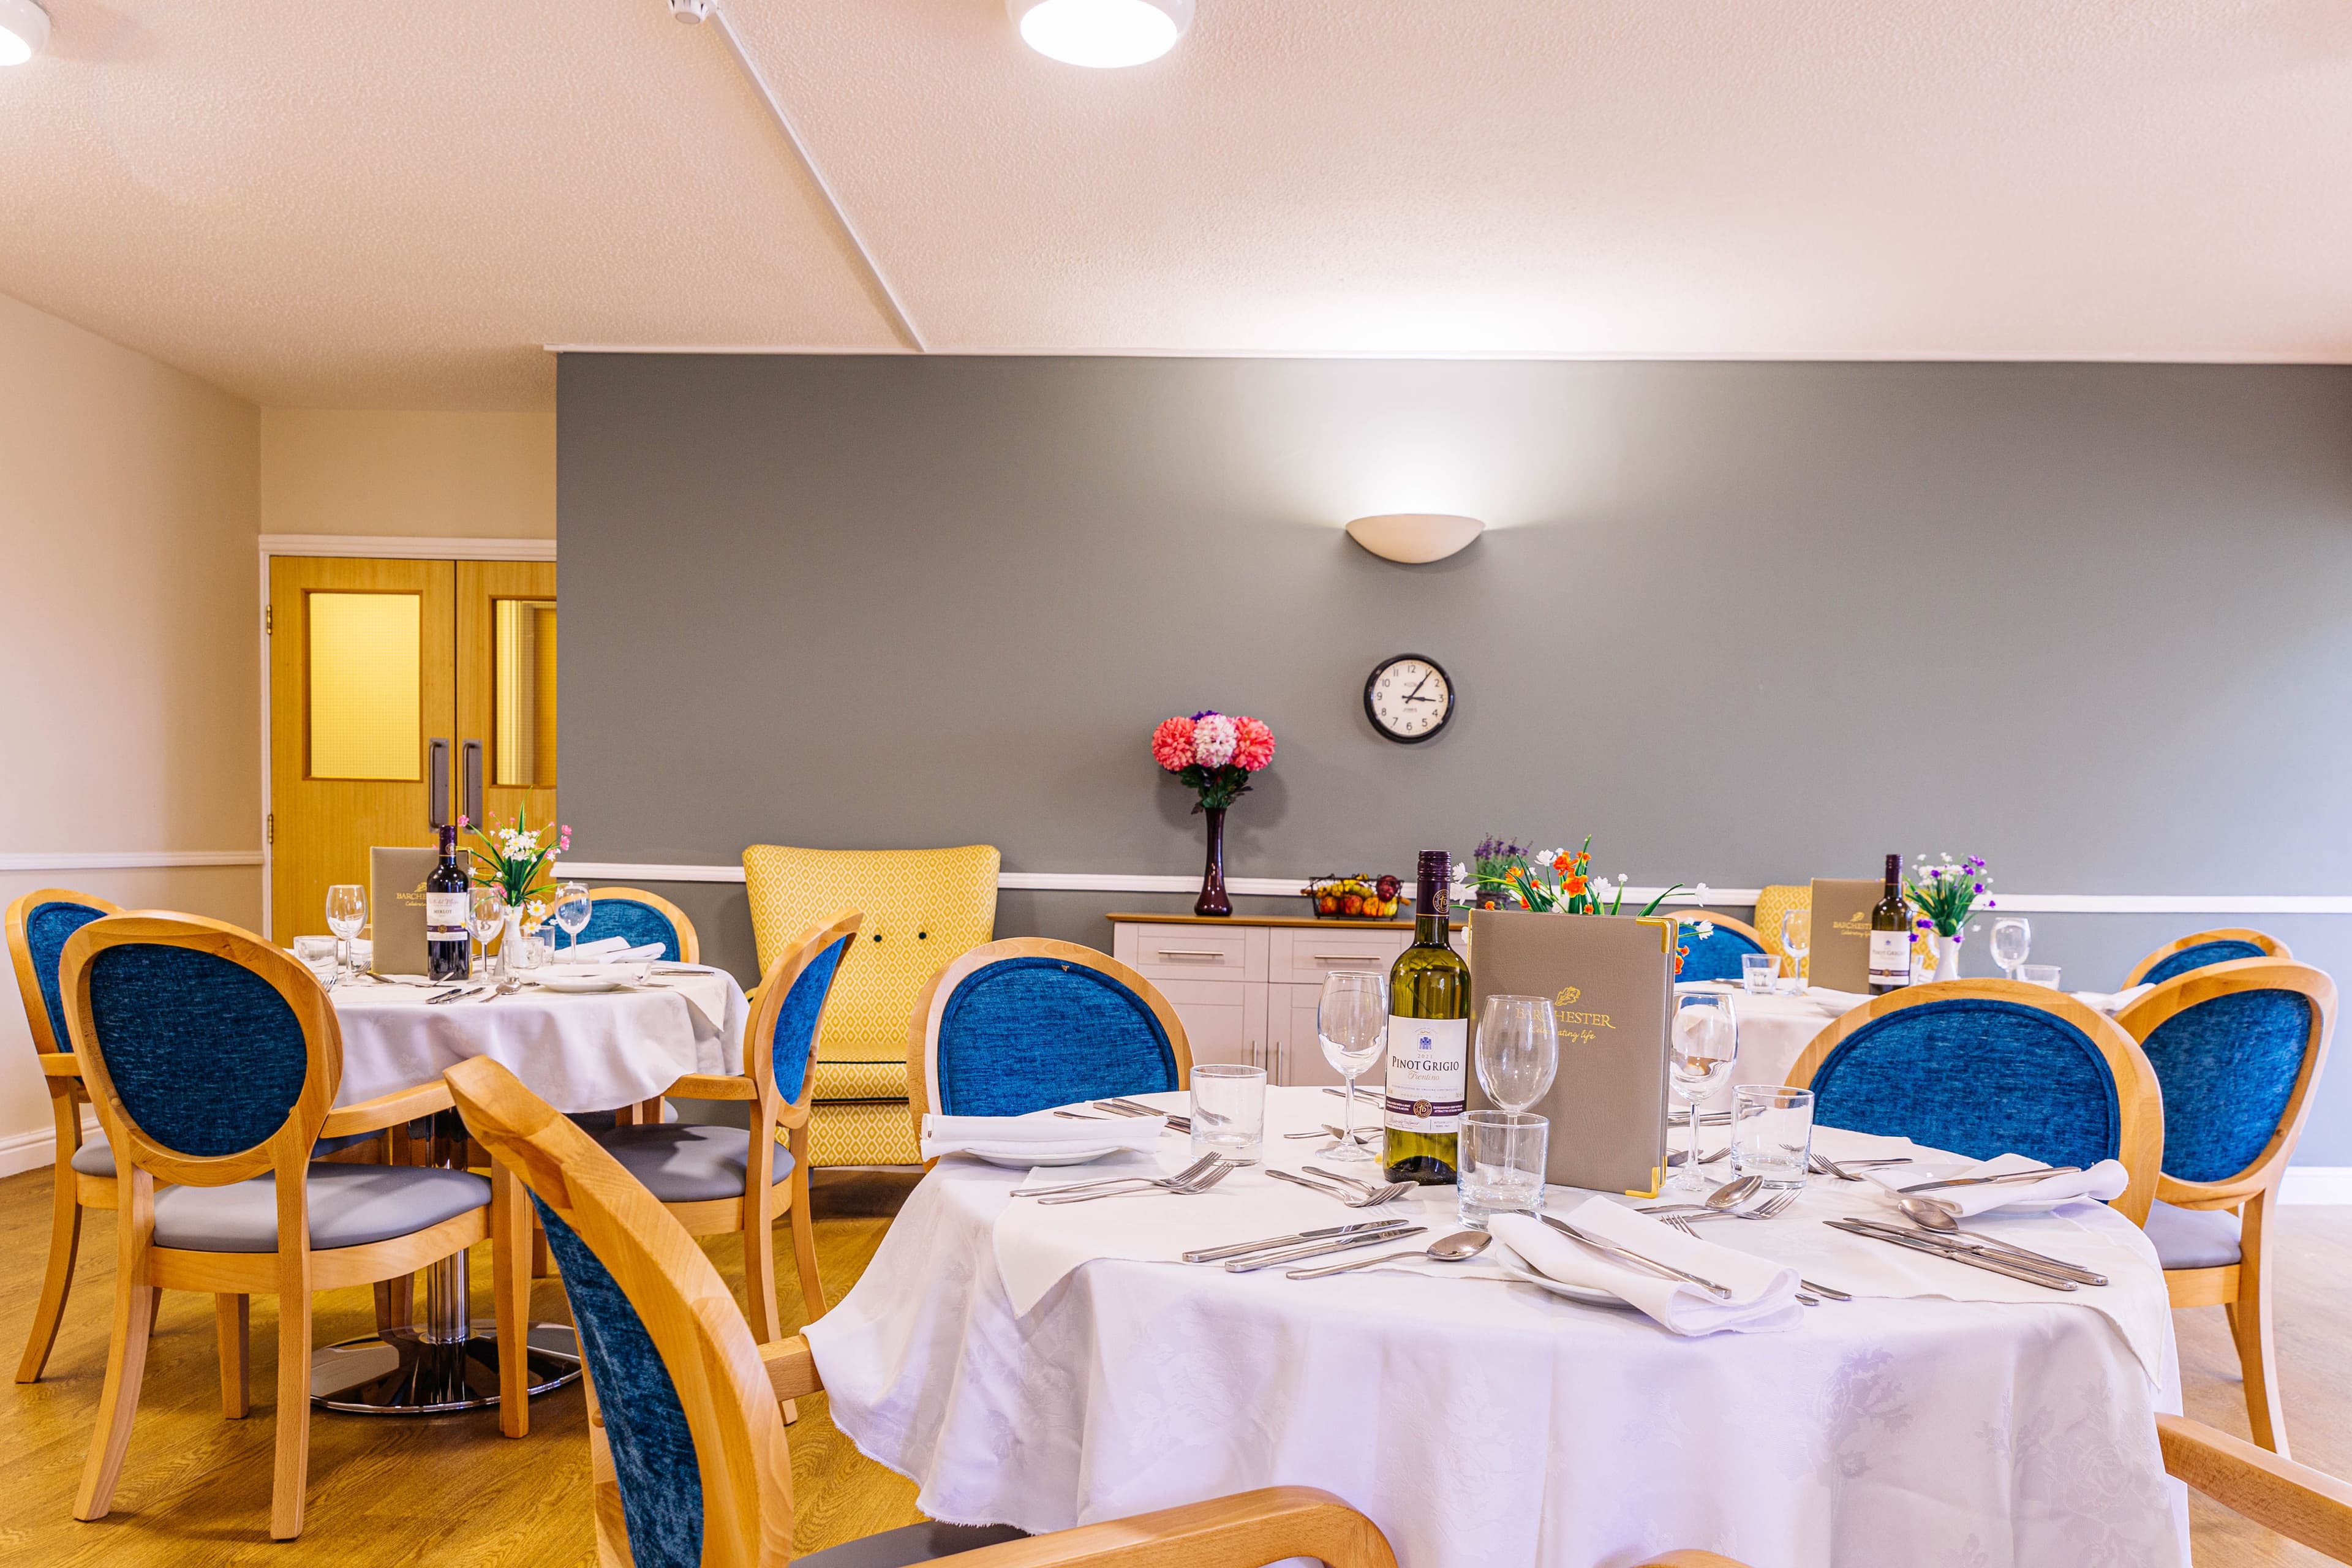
x=1356, y=897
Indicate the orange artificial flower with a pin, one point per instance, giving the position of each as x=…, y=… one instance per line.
x=1572, y=885
x=1563, y=861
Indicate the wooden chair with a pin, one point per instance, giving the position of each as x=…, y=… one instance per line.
x=213, y=1060
x=642, y=919
x=39, y=924
x=2182, y=954
x=715, y=1180
x=2237, y=1047
x=1028, y=1022
x=1716, y=956
x=1993, y=1067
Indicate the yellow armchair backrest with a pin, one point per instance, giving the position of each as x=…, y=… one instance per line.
x=1771, y=903
x=924, y=909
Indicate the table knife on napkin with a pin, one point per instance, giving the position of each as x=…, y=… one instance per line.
x=1241, y=1248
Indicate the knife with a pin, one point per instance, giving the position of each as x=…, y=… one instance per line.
x=1974, y=1259
x=1994, y=1181
x=1345, y=1244
x=1362, y=1227
x=1970, y=1241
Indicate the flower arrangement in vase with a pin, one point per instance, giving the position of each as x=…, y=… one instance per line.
x=1213, y=754
x=1547, y=881
x=522, y=860
x=1946, y=894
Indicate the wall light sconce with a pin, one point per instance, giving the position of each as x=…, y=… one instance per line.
x=24, y=28
x=1414, y=537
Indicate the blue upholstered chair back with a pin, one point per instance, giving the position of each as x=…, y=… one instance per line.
x=205, y=1054
x=645, y=1422
x=47, y=926
x=637, y=923
x=2173, y=965
x=1022, y=1034
x=1977, y=1076
x=2227, y=1067
x=797, y=1020
x=1715, y=956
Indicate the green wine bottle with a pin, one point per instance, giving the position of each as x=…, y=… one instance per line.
x=1429, y=1039
x=1890, y=934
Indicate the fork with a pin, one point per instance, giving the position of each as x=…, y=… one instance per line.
x=1196, y=1168
x=1378, y=1192
x=1192, y=1179
x=1369, y=1198
x=1778, y=1203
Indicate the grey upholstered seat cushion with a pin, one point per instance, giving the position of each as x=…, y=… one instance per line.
x=688, y=1163
x=910, y=1544
x=2193, y=1238
x=350, y=1205
x=95, y=1159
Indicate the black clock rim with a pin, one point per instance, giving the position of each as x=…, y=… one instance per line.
x=1371, y=715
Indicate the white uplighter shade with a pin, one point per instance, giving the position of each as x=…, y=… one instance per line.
x=1414, y=537
x=24, y=29
x=1104, y=34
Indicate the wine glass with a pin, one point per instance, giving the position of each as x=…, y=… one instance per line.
x=485, y=913
x=572, y=909
x=1518, y=1049
x=1796, y=940
x=2012, y=939
x=1700, y=1051
x=346, y=914
x=1352, y=1021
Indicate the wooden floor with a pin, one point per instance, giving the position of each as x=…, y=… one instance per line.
x=448, y=1490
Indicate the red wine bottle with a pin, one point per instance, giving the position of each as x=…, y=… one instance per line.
x=446, y=887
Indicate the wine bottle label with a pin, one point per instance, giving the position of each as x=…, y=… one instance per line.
x=1426, y=1080
x=1890, y=958
x=445, y=917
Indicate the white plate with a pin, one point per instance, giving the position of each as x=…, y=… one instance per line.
x=1584, y=1293
x=579, y=985
x=1014, y=1157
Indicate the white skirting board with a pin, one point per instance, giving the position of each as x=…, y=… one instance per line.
x=38, y=1150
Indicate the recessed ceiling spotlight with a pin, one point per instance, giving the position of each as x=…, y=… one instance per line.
x=24, y=28
x=1101, y=33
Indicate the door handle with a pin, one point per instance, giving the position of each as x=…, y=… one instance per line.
x=436, y=770
x=473, y=764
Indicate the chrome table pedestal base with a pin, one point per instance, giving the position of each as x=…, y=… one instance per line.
x=403, y=1373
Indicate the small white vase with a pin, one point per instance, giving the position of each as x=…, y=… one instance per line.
x=1947, y=957
x=511, y=941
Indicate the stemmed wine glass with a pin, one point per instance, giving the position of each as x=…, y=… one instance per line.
x=1796, y=940
x=572, y=909
x=486, y=912
x=346, y=915
x=1518, y=1049
x=2012, y=939
x=1700, y=1051
x=1352, y=1021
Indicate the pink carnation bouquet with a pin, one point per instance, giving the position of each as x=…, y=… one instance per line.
x=1214, y=754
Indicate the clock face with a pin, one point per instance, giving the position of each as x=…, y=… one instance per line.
x=1408, y=699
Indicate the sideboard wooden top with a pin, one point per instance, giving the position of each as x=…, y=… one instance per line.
x=1295, y=921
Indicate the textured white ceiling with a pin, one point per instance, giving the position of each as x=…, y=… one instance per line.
x=346, y=202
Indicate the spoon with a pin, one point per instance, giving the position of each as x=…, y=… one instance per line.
x=1452, y=1249
x=506, y=987
x=1929, y=1215
x=1731, y=1194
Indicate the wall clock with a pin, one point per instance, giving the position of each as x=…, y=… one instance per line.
x=1407, y=698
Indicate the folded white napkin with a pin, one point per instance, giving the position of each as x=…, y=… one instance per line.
x=610, y=949
x=2113, y=1002
x=1763, y=1294
x=2104, y=1181
x=1036, y=1137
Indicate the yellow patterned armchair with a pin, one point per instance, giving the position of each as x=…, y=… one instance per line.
x=924, y=909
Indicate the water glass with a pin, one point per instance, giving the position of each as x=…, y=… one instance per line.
x=346, y=916
x=1773, y=1133
x=1702, y=1045
x=1228, y=1111
x=573, y=909
x=1501, y=1168
x=2039, y=974
x=1518, y=1049
x=1351, y=1020
x=2012, y=939
x=1758, y=972
x=1797, y=941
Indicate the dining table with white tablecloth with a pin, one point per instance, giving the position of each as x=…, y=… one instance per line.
x=1047, y=1375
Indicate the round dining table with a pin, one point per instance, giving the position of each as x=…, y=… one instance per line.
x=580, y=1052
x=1484, y=1421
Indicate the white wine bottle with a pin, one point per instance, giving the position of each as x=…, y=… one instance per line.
x=1890, y=934
x=1429, y=1039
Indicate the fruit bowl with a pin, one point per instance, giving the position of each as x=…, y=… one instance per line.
x=1357, y=896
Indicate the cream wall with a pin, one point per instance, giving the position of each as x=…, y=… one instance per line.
x=362, y=471
x=130, y=688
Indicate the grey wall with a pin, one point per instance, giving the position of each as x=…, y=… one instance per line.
x=1748, y=623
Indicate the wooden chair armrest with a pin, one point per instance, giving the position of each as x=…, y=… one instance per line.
x=1246, y=1530
x=2299, y=1502
x=387, y=1110
x=59, y=1064
x=791, y=1367
x=791, y=1118
x=712, y=1086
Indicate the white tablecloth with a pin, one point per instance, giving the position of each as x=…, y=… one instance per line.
x=1484, y=1423
x=578, y=1053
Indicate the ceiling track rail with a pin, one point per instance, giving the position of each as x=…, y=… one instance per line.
x=887, y=296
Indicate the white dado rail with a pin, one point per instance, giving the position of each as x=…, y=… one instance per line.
x=122, y=859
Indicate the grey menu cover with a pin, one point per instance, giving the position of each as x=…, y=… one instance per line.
x=396, y=905
x=1611, y=979
x=1841, y=955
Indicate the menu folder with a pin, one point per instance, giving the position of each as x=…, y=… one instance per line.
x=1611, y=980
x=1841, y=952
x=396, y=903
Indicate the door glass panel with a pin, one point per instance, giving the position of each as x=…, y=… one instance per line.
x=525, y=679
x=364, y=675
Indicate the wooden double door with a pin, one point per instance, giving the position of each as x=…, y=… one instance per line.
x=370, y=662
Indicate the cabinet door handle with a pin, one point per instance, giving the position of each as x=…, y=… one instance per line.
x=1210, y=953
x=1346, y=957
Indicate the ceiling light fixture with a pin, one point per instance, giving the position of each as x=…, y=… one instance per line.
x=1415, y=538
x=24, y=28
x=1101, y=33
